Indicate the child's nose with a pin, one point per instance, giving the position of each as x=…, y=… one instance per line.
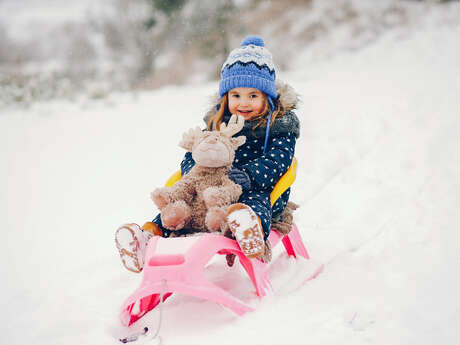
x=244, y=101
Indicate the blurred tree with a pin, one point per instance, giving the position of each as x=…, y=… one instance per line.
x=128, y=32
x=141, y=30
x=210, y=26
x=15, y=54
x=167, y=6
x=5, y=46
x=79, y=52
x=163, y=7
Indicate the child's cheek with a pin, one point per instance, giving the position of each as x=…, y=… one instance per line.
x=232, y=107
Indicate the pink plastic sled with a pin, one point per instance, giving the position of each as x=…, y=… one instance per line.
x=176, y=265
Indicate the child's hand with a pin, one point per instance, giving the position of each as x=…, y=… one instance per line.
x=240, y=177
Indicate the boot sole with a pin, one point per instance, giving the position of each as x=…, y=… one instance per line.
x=128, y=247
x=247, y=229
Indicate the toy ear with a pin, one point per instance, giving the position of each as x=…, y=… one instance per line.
x=238, y=141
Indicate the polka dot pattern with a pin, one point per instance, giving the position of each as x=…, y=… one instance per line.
x=266, y=169
x=187, y=163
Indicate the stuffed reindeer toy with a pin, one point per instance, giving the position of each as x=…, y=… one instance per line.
x=200, y=199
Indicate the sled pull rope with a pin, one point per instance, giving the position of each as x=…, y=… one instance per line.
x=162, y=291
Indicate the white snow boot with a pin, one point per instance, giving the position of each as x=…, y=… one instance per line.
x=247, y=229
x=131, y=242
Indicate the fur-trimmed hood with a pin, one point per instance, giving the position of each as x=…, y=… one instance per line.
x=288, y=99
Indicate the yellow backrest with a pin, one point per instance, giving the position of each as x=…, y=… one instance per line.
x=284, y=182
x=280, y=187
x=173, y=179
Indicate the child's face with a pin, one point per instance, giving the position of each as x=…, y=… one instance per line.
x=246, y=101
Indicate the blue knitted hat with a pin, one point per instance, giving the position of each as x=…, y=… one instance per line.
x=250, y=65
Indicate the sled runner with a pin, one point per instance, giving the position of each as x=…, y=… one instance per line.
x=177, y=265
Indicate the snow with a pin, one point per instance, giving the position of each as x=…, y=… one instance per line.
x=378, y=185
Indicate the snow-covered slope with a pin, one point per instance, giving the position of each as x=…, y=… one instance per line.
x=378, y=185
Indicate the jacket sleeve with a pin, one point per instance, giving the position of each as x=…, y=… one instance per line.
x=266, y=170
x=187, y=163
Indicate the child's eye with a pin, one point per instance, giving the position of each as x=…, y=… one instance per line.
x=254, y=95
x=235, y=95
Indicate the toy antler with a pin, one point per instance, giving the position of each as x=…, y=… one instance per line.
x=188, y=138
x=235, y=124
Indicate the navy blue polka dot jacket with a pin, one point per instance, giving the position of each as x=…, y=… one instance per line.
x=264, y=170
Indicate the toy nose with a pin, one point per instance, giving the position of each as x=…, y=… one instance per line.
x=212, y=140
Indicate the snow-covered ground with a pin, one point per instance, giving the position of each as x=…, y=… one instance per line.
x=378, y=184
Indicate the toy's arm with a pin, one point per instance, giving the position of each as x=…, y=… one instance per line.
x=183, y=189
x=225, y=194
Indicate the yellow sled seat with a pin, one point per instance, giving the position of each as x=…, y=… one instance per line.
x=280, y=187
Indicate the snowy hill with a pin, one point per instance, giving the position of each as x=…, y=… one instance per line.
x=378, y=184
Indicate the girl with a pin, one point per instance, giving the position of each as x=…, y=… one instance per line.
x=247, y=88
